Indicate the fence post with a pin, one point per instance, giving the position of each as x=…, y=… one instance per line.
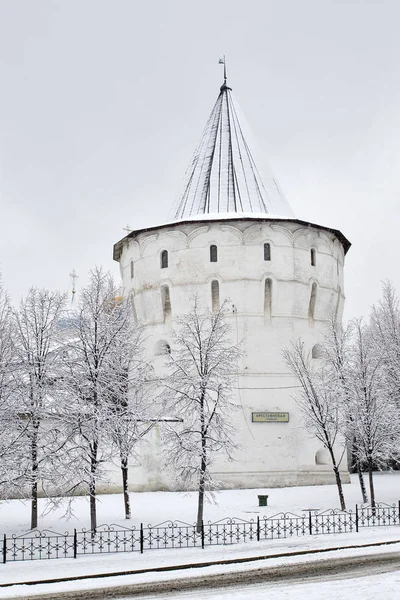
x=309, y=522
x=258, y=528
x=4, y=548
x=356, y=518
x=141, y=538
x=202, y=534
x=75, y=544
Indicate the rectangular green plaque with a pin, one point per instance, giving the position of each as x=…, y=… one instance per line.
x=270, y=417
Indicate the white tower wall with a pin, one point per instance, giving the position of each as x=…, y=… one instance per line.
x=269, y=454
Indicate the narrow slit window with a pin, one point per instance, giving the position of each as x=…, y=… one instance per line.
x=313, y=257
x=313, y=299
x=267, y=251
x=268, y=298
x=166, y=301
x=132, y=269
x=215, y=295
x=213, y=253
x=164, y=259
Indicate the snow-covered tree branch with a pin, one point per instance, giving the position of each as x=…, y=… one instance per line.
x=36, y=370
x=10, y=427
x=319, y=403
x=105, y=375
x=375, y=419
x=202, y=367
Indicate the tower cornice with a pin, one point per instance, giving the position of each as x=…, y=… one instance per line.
x=231, y=218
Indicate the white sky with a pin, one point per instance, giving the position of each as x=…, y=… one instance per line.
x=102, y=103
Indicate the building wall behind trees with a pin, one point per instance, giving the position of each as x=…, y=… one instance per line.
x=275, y=297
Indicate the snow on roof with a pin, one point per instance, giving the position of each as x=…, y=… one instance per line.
x=230, y=215
x=225, y=216
x=227, y=172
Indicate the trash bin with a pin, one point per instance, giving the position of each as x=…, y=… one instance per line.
x=262, y=500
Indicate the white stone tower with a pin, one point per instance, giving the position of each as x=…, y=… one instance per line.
x=234, y=236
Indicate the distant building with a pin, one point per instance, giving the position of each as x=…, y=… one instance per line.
x=234, y=236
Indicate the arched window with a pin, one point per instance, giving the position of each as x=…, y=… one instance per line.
x=213, y=253
x=215, y=295
x=162, y=347
x=313, y=253
x=322, y=457
x=268, y=298
x=313, y=299
x=267, y=251
x=166, y=301
x=132, y=269
x=317, y=351
x=164, y=259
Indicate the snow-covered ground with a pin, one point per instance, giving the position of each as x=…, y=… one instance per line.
x=160, y=506
x=157, y=507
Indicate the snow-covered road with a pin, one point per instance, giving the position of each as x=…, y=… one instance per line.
x=330, y=575
x=385, y=586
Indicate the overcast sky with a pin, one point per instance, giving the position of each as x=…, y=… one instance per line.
x=102, y=103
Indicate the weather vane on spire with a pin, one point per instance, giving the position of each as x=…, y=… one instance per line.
x=222, y=61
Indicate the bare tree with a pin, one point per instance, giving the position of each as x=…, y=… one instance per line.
x=319, y=404
x=199, y=388
x=133, y=422
x=375, y=416
x=99, y=350
x=35, y=371
x=134, y=404
x=10, y=434
x=336, y=354
x=385, y=325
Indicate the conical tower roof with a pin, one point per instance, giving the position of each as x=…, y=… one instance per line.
x=225, y=174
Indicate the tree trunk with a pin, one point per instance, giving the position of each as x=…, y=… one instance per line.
x=338, y=479
x=357, y=465
x=339, y=487
x=125, y=486
x=34, y=471
x=92, y=488
x=203, y=466
x=371, y=483
x=34, y=505
x=362, y=483
x=200, y=504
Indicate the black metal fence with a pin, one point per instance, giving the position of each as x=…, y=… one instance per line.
x=37, y=545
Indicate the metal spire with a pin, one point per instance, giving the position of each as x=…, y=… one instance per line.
x=222, y=61
x=223, y=176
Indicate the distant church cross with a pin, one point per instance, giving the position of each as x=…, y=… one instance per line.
x=74, y=277
x=127, y=228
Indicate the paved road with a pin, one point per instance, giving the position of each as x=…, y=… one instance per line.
x=312, y=570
